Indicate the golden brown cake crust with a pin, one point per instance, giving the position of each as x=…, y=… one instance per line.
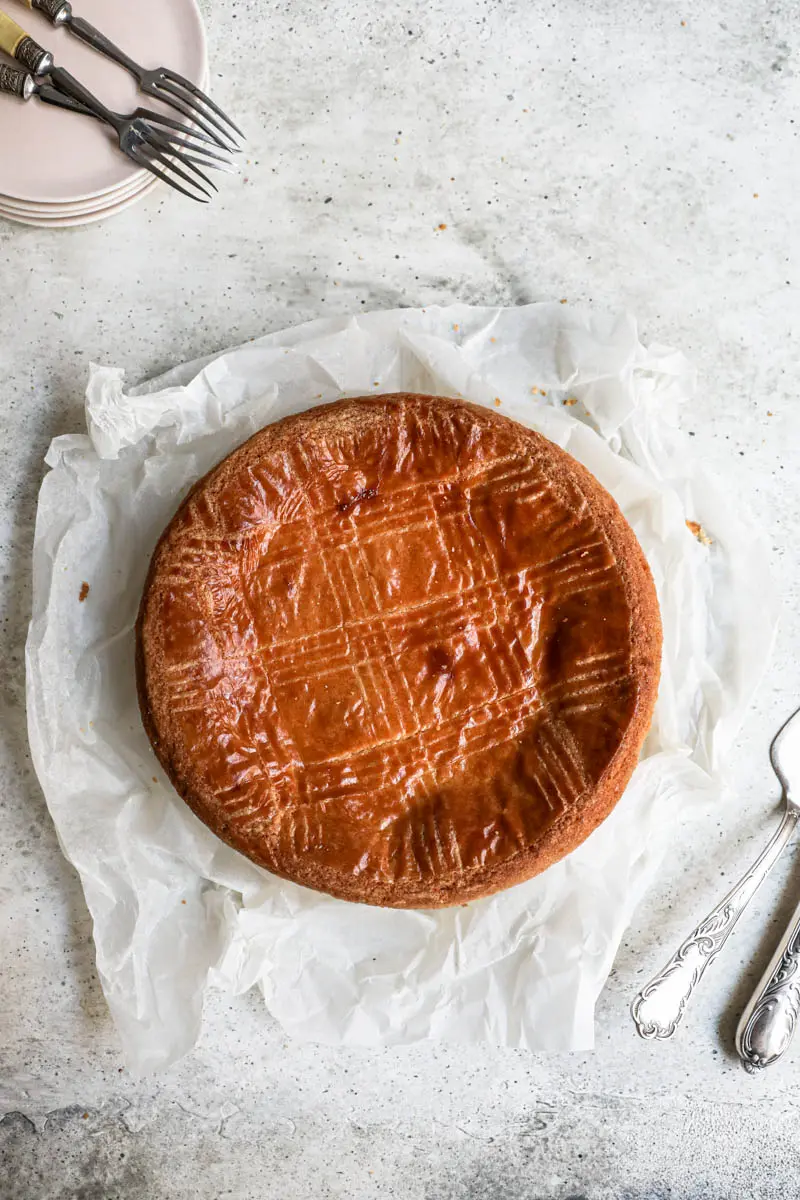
x=399, y=649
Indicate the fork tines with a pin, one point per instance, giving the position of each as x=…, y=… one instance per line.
x=169, y=158
x=186, y=98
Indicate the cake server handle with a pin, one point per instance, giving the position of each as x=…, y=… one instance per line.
x=659, y=1007
x=770, y=1019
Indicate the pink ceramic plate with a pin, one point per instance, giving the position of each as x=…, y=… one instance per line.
x=54, y=157
x=109, y=209
x=72, y=207
x=12, y=207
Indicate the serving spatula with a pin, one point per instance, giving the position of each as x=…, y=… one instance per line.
x=659, y=1007
x=770, y=1019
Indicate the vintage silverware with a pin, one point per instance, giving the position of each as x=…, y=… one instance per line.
x=169, y=150
x=22, y=84
x=659, y=1007
x=769, y=1020
x=160, y=83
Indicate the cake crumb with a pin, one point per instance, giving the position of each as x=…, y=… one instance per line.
x=697, y=529
x=570, y=401
x=497, y=401
x=770, y=414
x=564, y=301
x=442, y=226
x=492, y=339
x=84, y=592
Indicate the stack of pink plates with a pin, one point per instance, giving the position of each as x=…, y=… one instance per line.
x=60, y=169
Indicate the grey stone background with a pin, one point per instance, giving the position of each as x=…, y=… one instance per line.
x=614, y=152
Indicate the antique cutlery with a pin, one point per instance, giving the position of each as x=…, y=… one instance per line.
x=160, y=83
x=24, y=85
x=659, y=1007
x=769, y=1020
x=160, y=145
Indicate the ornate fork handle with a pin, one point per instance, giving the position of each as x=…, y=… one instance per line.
x=768, y=1023
x=659, y=1007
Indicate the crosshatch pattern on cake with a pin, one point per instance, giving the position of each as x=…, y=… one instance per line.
x=375, y=629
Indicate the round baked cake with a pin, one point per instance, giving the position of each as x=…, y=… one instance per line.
x=399, y=649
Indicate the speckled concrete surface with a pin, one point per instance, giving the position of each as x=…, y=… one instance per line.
x=618, y=152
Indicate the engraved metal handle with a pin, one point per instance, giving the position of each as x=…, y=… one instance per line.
x=15, y=42
x=16, y=83
x=54, y=9
x=659, y=1007
x=22, y=84
x=769, y=1021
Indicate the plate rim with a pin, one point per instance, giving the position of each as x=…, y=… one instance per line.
x=86, y=218
x=70, y=208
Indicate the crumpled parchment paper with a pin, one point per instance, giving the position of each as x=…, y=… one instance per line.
x=175, y=911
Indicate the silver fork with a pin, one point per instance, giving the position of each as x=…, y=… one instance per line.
x=159, y=151
x=659, y=1007
x=25, y=86
x=162, y=84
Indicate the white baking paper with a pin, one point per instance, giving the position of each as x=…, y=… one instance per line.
x=175, y=911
